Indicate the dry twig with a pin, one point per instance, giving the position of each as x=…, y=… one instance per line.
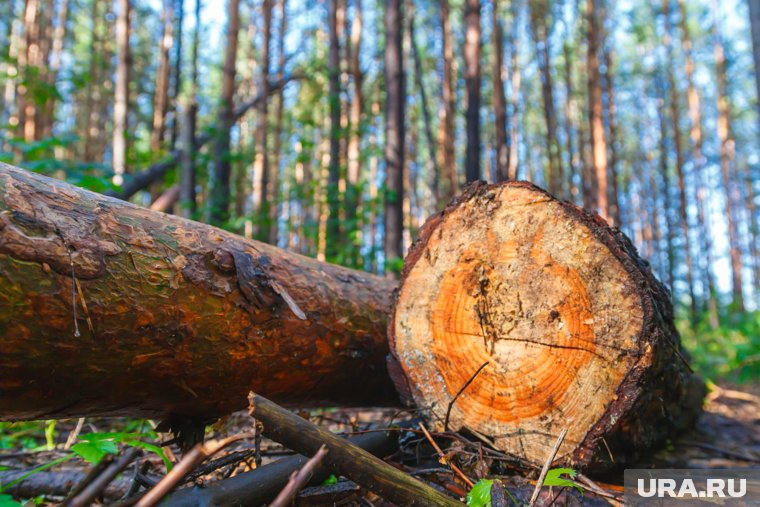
x=547, y=464
x=299, y=479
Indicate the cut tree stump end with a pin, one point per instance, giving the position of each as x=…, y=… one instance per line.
x=572, y=327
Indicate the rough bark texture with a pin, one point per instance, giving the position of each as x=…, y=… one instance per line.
x=174, y=317
x=567, y=325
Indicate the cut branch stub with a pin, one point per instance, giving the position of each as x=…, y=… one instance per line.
x=576, y=331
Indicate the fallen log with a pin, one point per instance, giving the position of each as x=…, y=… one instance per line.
x=109, y=308
x=520, y=315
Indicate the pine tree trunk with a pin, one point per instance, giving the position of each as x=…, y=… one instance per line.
x=514, y=49
x=59, y=35
x=472, y=85
x=675, y=113
x=393, y=244
x=613, y=134
x=334, y=240
x=727, y=153
x=754, y=25
x=153, y=315
x=599, y=199
x=432, y=159
x=446, y=123
x=161, y=97
x=698, y=159
x=121, y=93
x=539, y=13
x=274, y=187
x=219, y=195
x=499, y=100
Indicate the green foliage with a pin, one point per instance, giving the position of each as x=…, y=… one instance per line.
x=330, y=480
x=730, y=351
x=480, y=494
x=554, y=478
x=97, y=445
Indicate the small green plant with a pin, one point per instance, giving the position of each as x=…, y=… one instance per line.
x=554, y=478
x=480, y=494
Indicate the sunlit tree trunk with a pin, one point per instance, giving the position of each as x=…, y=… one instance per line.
x=161, y=97
x=177, y=74
x=59, y=35
x=727, y=162
x=539, y=16
x=675, y=113
x=356, y=129
x=514, y=51
x=569, y=121
x=664, y=170
x=394, y=134
x=187, y=195
x=274, y=200
x=698, y=159
x=431, y=161
x=334, y=238
x=261, y=167
x=754, y=19
x=447, y=152
x=614, y=176
x=499, y=100
x=600, y=202
x=472, y=85
x=121, y=93
x=219, y=198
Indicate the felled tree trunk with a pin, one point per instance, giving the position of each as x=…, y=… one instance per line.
x=108, y=308
x=520, y=315
x=171, y=317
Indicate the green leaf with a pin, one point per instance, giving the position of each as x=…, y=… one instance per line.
x=156, y=449
x=94, y=451
x=8, y=501
x=480, y=494
x=330, y=480
x=554, y=478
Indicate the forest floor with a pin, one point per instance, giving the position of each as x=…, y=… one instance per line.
x=727, y=435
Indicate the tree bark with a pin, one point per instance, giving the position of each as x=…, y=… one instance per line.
x=161, y=98
x=727, y=153
x=446, y=123
x=472, y=85
x=261, y=167
x=273, y=197
x=394, y=133
x=174, y=317
x=600, y=201
x=539, y=14
x=516, y=325
x=514, y=49
x=675, y=113
x=219, y=198
x=499, y=99
x=698, y=159
x=614, y=203
x=334, y=238
x=754, y=23
x=121, y=93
